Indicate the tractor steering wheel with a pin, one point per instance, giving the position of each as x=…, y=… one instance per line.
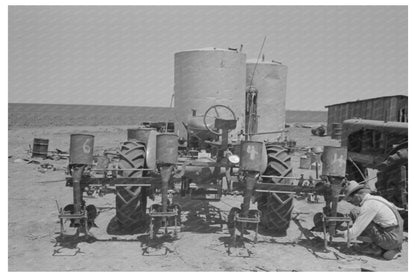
x=217, y=112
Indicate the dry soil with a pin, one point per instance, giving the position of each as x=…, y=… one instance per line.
x=202, y=244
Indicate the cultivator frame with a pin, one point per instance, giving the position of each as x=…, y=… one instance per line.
x=251, y=169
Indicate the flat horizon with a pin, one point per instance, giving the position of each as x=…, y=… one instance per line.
x=20, y=103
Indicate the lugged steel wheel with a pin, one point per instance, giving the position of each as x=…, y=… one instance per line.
x=131, y=201
x=276, y=208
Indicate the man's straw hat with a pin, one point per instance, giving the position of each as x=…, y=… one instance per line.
x=352, y=187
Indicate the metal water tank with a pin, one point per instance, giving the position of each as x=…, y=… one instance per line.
x=208, y=77
x=270, y=82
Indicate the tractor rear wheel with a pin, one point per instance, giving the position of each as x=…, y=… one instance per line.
x=131, y=201
x=390, y=184
x=276, y=208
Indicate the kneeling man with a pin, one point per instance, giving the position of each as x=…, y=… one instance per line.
x=377, y=222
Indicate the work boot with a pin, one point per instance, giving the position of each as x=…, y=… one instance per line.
x=365, y=239
x=372, y=250
x=392, y=254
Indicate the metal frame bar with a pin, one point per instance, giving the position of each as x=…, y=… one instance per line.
x=291, y=178
x=275, y=191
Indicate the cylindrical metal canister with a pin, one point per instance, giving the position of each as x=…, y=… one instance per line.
x=336, y=130
x=40, y=147
x=148, y=137
x=334, y=161
x=269, y=79
x=81, y=149
x=207, y=77
x=166, y=149
x=251, y=156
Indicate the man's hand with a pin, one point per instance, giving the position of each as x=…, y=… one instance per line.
x=339, y=234
x=342, y=228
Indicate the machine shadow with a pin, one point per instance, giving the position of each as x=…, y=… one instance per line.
x=315, y=244
x=64, y=242
x=200, y=216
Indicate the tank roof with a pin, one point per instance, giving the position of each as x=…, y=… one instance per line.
x=209, y=49
x=265, y=62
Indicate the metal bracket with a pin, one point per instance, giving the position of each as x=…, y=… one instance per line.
x=64, y=215
x=328, y=219
x=163, y=215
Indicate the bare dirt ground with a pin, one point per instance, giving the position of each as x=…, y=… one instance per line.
x=202, y=244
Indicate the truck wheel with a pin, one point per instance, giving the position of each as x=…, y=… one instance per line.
x=354, y=173
x=131, y=201
x=276, y=208
x=389, y=181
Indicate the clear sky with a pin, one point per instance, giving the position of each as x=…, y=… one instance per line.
x=124, y=55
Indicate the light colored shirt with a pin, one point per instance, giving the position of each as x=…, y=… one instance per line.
x=372, y=210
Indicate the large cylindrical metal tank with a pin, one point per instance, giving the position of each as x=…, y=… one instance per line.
x=208, y=77
x=270, y=82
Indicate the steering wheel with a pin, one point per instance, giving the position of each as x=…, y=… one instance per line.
x=217, y=112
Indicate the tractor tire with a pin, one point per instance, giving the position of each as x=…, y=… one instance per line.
x=276, y=208
x=131, y=201
x=389, y=184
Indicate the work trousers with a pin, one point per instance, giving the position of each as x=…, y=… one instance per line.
x=388, y=238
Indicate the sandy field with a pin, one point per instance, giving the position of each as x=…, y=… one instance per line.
x=33, y=227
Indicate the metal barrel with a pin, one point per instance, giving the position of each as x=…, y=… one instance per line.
x=166, y=149
x=336, y=130
x=140, y=134
x=305, y=162
x=40, y=147
x=334, y=161
x=81, y=149
x=251, y=156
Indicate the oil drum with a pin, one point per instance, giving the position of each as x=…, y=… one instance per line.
x=166, y=148
x=336, y=131
x=81, y=149
x=40, y=147
x=334, y=161
x=305, y=162
x=251, y=156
